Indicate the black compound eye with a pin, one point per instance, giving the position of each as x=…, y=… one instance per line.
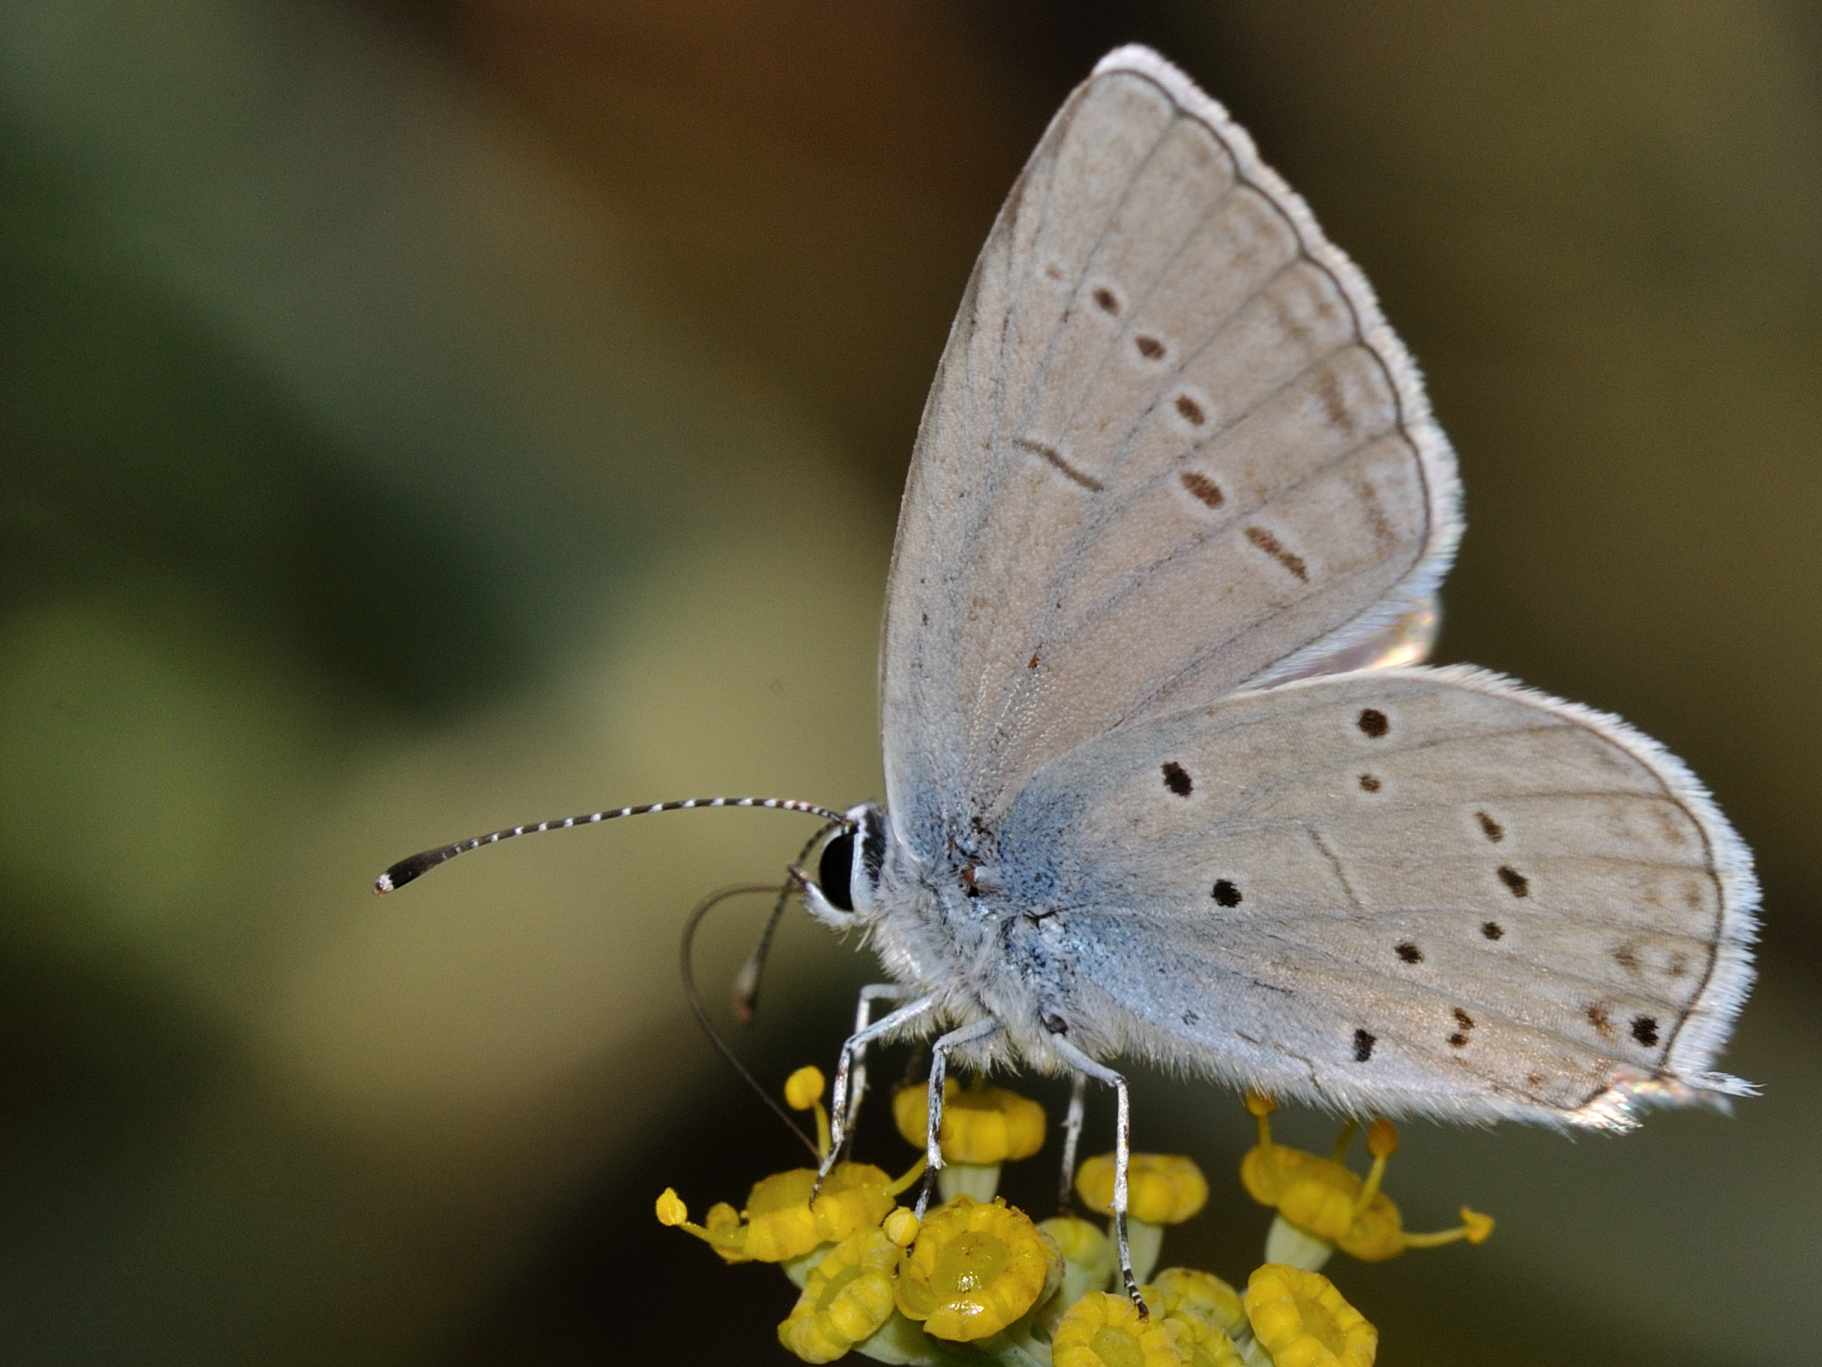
x=836, y=872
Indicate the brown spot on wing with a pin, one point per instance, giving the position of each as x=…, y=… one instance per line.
x=1490, y=828
x=1334, y=402
x=1627, y=957
x=1369, y=784
x=1275, y=548
x=1516, y=883
x=1203, y=488
x=1598, y=1018
x=1372, y=723
x=1191, y=411
x=1384, y=533
x=1107, y=301
x=1149, y=347
x=1055, y=459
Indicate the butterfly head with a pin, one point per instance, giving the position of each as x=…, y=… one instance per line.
x=848, y=870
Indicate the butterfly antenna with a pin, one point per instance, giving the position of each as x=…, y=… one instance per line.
x=409, y=870
x=746, y=981
x=695, y=918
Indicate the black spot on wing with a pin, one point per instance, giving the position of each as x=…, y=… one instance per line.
x=1225, y=893
x=1176, y=778
x=1363, y=1045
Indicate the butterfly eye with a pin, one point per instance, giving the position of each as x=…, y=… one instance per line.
x=835, y=873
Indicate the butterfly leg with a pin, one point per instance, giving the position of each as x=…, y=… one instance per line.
x=1072, y=1138
x=1122, y=1153
x=852, y=1046
x=846, y=1108
x=939, y=1070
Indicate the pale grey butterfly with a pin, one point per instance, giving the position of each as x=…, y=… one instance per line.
x=1164, y=778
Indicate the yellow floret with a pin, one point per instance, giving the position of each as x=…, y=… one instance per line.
x=1162, y=1189
x=781, y=1224
x=1320, y=1199
x=1201, y=1343
x=974, y=1270
x=1088, y=1258
x=1187, y=1291
x=847, y=1297
x=981, y=1124
x=1302, y=1321
x=901, y=1227
x=1103, y=1330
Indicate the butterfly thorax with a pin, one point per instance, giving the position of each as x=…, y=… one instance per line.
x=953, y=926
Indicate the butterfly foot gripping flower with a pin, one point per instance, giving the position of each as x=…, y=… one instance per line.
x=1299, y=1319
x=1322, y=1205
x=1162, y=1189
x=982, y=1127
x=975, y=1269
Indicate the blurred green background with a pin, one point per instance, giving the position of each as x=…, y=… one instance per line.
x=423, y=417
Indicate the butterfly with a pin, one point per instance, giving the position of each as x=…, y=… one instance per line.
x=1165, y=777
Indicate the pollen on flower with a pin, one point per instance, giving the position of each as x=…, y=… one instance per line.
x=1162, y=1189
x=974, y=1270
x=1103, y=1330
x=1303, y=1321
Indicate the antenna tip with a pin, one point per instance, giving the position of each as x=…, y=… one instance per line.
x=409, y=870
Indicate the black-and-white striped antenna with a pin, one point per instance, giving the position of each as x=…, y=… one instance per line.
x=409, y=870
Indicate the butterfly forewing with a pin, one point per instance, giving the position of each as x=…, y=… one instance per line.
x=1419, y=890
x=1171, y=450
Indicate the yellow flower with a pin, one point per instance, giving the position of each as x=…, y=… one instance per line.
x=1102, y=1330
x=1088, y=1258
x=1183, y=1291
x=847, y=1298
x=780, y=1222
x=1161, y=1188
x=974, y=1270
x=1322, y=1204
x=1302, y=1321
x=981, y=1124
x=1202, y=1344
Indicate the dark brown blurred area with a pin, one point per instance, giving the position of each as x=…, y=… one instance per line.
x=420, y=418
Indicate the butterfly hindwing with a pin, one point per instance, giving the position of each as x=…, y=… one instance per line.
x=1400, y=890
